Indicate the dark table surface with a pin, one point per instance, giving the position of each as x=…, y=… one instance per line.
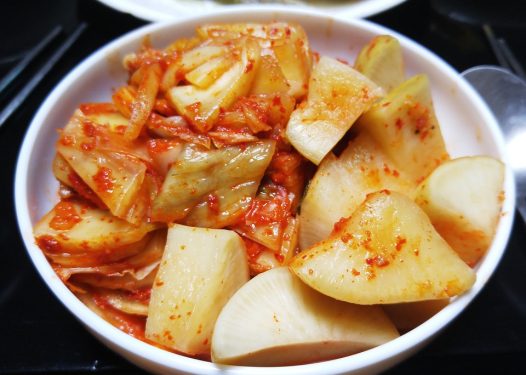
x=38, y=335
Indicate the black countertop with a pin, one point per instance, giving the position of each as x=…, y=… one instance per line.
x=39, y=336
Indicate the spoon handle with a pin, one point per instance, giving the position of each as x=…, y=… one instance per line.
x=505, y=94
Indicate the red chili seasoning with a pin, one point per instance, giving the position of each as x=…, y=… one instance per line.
x=103, y=179
x=399, y=123
x=67, y=140
x=250, y=66
x=84, y=190
x=49, y=244
x=213, y=203
x=377, y=260
x=65, y=218
x=253, y=249
x=97, y=108
x=339, y=225
x=89, y=129
x=400, y=241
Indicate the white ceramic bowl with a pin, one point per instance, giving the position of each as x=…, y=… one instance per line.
x=164, y=10
x=467, y=125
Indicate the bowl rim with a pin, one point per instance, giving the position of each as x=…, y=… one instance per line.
x=144, y=10
x=152, y=357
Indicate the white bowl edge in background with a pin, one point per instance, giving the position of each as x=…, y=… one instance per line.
x=34, y=199
x=165, y=10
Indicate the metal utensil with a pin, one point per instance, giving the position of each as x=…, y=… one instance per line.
x=22, y=95
x=505, y=94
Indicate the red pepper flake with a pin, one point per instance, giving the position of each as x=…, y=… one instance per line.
x=355, y=272
x=103, y=179
x=400, y=241
x=89, y=129
x=347, y=237
x=141, y=295
x=213, y=203
x=97, y=108
x=287, y=31
x=396, y=173
x=157, y=146
x=168, y=335
x=159, y=283
x=205, y=341
x=67, y=140
x=49, y=244
x=399, y=123
x=366, y=243
x=420, y=116
x=253, y=249
x=250, y=66
x=279, y=257
x=65, y=218
x=377, y=260
x=339, y=225
x=87, y=146
x=120, y=129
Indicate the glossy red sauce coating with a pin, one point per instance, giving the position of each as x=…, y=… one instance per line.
x=84, y=190
x=274, y=209
x=131, y=324
x=253, y=249
x=48, y=244
x=141, y=295
x=249, y=66
x=213, y=203
x=67, y=140
x=65, y=216
x=377, y=260
x=159, y=145
x=97, y=108
x=104, y=180
x=89, y=128
x=163, y=107
x=340, y=225
x=400, y=242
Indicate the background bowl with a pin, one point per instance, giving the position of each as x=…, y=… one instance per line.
x=467, y=125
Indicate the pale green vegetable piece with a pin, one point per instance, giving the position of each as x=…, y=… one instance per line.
x=211, y=188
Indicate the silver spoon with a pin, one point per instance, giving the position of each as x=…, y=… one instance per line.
x=505, y=94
